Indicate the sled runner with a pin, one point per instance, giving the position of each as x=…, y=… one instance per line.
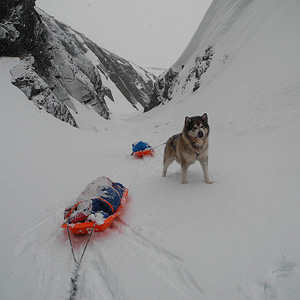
x=96, y=207
x=141, y=149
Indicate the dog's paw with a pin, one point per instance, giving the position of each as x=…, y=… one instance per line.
x=209, y=181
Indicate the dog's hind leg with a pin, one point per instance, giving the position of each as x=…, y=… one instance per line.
x=204, y=165
x=167, y=162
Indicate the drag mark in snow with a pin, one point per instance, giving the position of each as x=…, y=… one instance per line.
x=142, y=240
x=169, y=266
x=99, y=278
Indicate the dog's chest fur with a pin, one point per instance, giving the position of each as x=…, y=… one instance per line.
x=188, y=151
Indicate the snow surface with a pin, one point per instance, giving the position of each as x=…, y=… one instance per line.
x=237, y=238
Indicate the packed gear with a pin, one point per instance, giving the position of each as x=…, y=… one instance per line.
x=100, y=202
x=141, y=149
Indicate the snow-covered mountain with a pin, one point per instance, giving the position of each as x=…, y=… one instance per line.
x=61, y=67
x=216, y=43
x=235, y=239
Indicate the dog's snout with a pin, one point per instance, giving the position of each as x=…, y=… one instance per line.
x=200, y=134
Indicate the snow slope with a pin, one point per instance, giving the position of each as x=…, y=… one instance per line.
x=237, y=238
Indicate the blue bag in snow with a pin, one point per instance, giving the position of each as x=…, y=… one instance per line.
x=140, y=146
x=109, y=199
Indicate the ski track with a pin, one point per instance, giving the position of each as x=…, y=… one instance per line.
x=169, y=265
x=97, y=277
x=38, y=248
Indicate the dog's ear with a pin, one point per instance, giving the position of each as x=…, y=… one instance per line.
x=204, y=117
x=187, y=121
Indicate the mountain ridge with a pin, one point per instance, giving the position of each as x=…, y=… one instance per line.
x=59, y=65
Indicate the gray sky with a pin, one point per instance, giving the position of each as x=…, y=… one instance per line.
x=150, y=33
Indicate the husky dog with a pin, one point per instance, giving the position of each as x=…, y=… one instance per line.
x=188, y=146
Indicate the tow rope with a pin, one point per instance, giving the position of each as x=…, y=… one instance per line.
x=159, y=145
x=74, y=279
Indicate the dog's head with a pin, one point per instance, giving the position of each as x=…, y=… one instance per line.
x=196, y=127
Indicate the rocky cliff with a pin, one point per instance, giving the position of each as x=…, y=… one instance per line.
x=59, y=65
x=168, y=81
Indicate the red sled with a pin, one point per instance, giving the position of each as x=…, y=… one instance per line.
x=145, y=152
x=86, y=227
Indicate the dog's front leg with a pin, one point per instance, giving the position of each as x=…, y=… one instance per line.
x=184, y=168
x=204, y=165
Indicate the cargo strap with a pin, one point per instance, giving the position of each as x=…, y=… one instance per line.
x=71, y=210
x=74, y=279
x=109, y=204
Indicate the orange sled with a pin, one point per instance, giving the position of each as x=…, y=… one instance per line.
x=142, y=153
x=86, y=227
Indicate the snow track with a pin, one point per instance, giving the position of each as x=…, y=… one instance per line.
x=165, y=271
x=166, y=265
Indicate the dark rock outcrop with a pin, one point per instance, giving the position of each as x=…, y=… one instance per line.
x=18, y=24
x=166, y=82
x=202, y=63
x=59, y=65
x=163, y=88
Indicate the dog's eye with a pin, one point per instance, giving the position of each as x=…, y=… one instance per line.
x=195, y=128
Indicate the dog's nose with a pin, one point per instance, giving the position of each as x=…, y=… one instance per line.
x=200, y=134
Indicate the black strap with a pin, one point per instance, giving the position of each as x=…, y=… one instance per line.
x=174, y=137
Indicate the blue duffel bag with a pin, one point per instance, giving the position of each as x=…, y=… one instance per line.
x=109, y=199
